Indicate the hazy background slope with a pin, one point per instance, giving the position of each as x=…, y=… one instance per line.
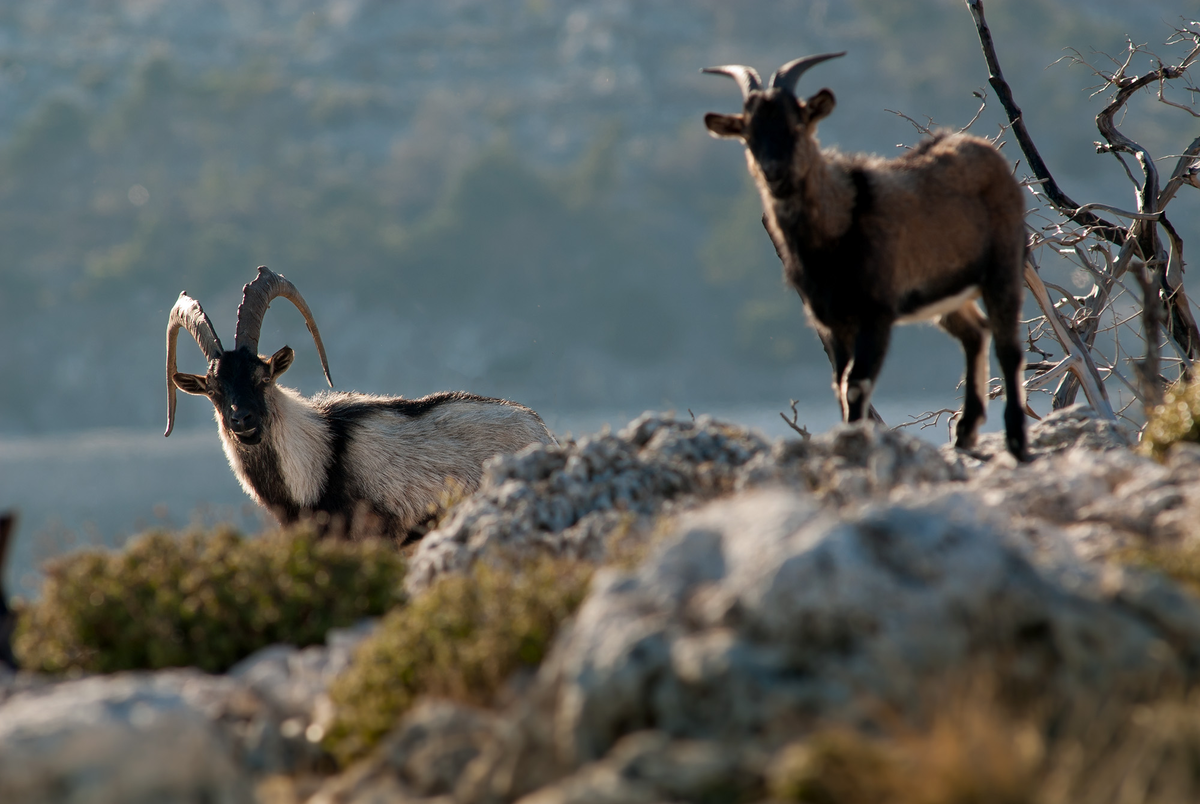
x=511, y=196
x=514, y=197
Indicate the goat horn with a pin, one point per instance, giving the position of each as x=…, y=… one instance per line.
x=746, y=77
x=256, y=297
x=787, y=75
x=188, y=314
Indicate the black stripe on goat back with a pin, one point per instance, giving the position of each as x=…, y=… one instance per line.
x=343, y=414
x=352, y=409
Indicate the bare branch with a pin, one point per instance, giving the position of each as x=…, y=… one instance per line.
x=1185, y=172
x=1181, y=323
x=925, y=129
x=803, y=431
x=1047, y=375
x=979, y=93
x=931, y=418
x=1138, y=216
x=1081, y=361
x=1057, y=197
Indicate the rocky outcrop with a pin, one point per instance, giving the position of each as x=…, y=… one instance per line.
x=774, y=588
x=570, y=500
x=761, y=613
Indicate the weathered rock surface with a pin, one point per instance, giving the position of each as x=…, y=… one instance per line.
x=177, y=735
x=294, y=682
x=774, y=587
x=649, y=767
x=1076, y=426
x=426, y=756
x=569, y=499
x=763, y=611
x=835, y=576
x=125, y=739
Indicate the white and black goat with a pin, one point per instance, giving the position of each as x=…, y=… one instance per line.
x=870, y=242
x=366, y=463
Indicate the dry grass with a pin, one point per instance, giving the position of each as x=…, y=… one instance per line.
x=973, y=749
x=970, y=751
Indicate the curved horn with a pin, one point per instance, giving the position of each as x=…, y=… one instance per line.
x=787, y=75
x=256, y=297
x=188, y=314
x=746, y=77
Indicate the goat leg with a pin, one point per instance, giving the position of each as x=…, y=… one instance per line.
x=825, y=344
x=858, y=378
x=969, y=326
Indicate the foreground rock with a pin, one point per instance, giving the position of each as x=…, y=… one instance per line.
x=761, y=613
x=836, y=578
x=171, y=736
x=761, y=590
x=126, y=740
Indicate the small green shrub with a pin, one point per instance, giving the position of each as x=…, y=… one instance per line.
x=203, y=599
x=1176, y=419
x=462, y=639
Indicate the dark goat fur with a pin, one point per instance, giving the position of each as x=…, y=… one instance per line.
x=869, y=242
x=8, y=618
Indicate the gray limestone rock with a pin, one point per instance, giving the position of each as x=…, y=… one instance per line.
x=773, y=586
x=649, y=766
x=568, y=499
x=759, y=613
x=1076, y=426
x=294, y=682
x=124, y=739
x=427, y=755
x=172, y=735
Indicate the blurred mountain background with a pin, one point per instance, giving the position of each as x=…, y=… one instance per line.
x=514, y=197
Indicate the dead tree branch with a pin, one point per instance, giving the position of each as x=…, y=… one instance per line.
x=1016, y=119
x=803, y=431
x=931, y=418
x=1078, y=359
x=1154, y=260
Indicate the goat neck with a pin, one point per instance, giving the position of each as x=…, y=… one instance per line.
x=821, y=203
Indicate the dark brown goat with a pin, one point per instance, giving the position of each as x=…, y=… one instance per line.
x=7, y=617
x=870, y=242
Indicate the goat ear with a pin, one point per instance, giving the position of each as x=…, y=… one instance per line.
x=820, y=105
x=281, y=361
x=725, y=125
x=195, y=384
